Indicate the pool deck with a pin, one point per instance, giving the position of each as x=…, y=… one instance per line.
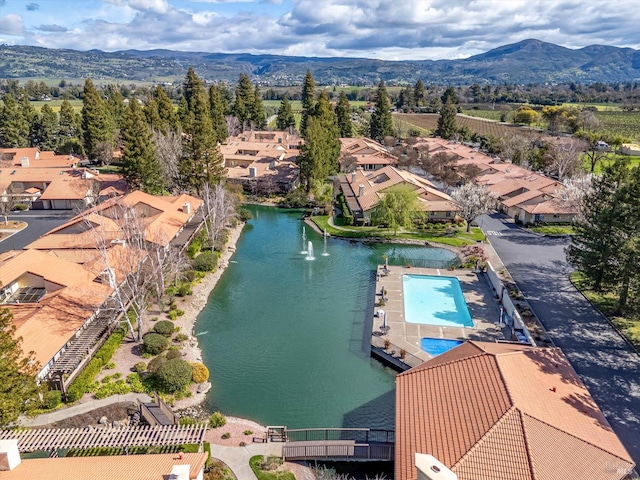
x=483, y=307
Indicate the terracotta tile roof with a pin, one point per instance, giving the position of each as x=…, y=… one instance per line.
x=71, y=298
x=68, y=188
x=523, y=197
x=131, y=467
x=501, y=411
x=550, y=206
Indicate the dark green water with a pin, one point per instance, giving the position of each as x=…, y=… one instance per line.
x=287, y=339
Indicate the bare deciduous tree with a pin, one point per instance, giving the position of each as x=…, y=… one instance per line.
x=7, y=203
x=517, y=149
x=573, y=192
x=564, y=159
x=219, y=209
x=473, y=200
x=169, y=151
x=233, y=125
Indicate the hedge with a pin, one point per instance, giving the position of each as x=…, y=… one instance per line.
x=80, y=385
x=154, y=343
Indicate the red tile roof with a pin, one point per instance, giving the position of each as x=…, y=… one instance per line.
x=501, y=411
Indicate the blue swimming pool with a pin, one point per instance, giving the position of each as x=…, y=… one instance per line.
x=435, y=300
x=436, y=346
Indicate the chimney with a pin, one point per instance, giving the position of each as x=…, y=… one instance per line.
x=9, y=454
x=429, y=468
x=180, y=472
x=253, y=172
x=353, y=177
x=24, y=161
x=360, y=190
x=186, y=208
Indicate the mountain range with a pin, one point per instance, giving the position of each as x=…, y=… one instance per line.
x=525, y=62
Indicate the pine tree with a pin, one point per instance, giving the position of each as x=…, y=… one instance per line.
x=257, y=110
x=115, y=105
x=243, y=106
x=191, y=88
x=343, y=114
x=216, y=108
x=447, y=126
x=44, y=130
x=140, y=168
x=152, y=116
x=202, y=161
x=319, y=155
x=96, y=122
x=381, y=123
x=14, y=128
x=285, y=118
x=308, y=101
x=18, y=388
x=419, y=94
x=70, y=132
x=166, y=112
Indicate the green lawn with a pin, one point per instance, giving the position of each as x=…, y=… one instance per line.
x=55, y=104
x=601, y=107
x=458, y=238
x=608, y=159
x=606, y=303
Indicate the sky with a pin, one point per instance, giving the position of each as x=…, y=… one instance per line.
x=383, y=29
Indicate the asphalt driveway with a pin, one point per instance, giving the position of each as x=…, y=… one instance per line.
x=40, y=222
x=608, y=366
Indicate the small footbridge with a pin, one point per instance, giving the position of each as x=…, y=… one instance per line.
x=338, y=444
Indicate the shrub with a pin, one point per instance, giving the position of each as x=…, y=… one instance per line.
x=205, y=262
x=183, y=290
x=21, y=206
x=200, y=373
x=110, y=366
x=52, y=399
x=217, y=420
x=140, y=367
x=156, y=363
x=244, y=214
x=154, y=343
x=135, y=382
x=189, y=275
x=181, y=337
x=188, y=421
x=225, y=435
x=164, y=327
x=174, y=375
x=173, y=315
x=179, y=313
x=248, y=432
x=171, y=354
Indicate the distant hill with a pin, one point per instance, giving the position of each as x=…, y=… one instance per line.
x=529, y=61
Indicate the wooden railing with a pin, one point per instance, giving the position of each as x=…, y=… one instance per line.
x=361, y=435
x=339, y=444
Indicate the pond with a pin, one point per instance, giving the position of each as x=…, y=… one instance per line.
x=286, y=339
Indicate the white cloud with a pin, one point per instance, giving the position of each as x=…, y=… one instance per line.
x=389, y=29
x=11, y=25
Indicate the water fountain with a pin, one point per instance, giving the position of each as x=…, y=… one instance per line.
x=310, y=252
x=324, y=252
x=304, y=241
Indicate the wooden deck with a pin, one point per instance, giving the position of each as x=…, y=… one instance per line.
x=55, y=438
x=346, y=444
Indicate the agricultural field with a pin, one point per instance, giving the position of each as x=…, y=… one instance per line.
x=486, y=114
x=296, y=105
x=601, y=107
x=429, y=121
x=626, y=124
x=55, y=104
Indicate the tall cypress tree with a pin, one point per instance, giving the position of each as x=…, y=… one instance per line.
x=140, y=167
x=151, y=114
x=166, y=112
x=44, y=130
x=447, y=126
x=115, y=105
x=243, y=106
x=343, y=114
x=419, y=94
x=319, y=155
x=70, y=132
x=191, y=88
x=202, y=161
x=308, y=101
x=257, y=110
x=96, y=122
x=216, y=108
x=381, y=122
x=285, y=118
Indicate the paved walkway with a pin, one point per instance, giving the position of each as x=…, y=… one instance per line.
x=64, y=413
x=237, y=458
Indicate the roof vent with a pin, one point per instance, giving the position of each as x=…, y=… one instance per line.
x=180, y=472
x=186, y=208
x=9, y=454
x=360, y=190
